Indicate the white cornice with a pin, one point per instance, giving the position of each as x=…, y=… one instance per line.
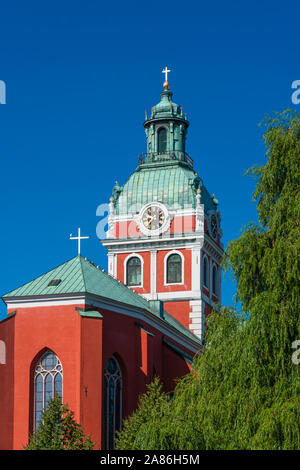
x=178, y=241
x=44, y=301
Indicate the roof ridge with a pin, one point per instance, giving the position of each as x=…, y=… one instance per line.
x=82, y=273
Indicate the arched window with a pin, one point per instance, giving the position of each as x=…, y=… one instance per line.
x=112, y=401
x=48, y=377
x=174, y=269
x=134, y=272
x=214, y=280
x=162, y=140
x=205, y=272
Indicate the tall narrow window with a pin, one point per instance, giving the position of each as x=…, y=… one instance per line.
x=48, y=376
x=162, y=140
x=214, y=280
x=134, y=272
x=174, y=269
x=112, y=401
x=205, y=272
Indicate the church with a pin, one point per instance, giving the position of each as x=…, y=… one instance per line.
x=96, y=337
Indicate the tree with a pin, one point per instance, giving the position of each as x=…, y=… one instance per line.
x=58, y=430
x=243, y=391
x=151, y=408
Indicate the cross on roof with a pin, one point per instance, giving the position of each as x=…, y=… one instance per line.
x=79, y=238
x=165, y=71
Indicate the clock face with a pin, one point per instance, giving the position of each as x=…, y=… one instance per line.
x=213, y=226
x=153, y=218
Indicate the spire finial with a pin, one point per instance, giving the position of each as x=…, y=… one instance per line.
x=166, y=83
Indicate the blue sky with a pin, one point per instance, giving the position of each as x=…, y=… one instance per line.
x=79, y=77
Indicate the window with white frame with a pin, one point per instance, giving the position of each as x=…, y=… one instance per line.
x=48, y=382
x=134, y=271
x=174, y=269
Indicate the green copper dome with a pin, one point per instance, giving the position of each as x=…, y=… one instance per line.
x=165, y=173
x=173, y=184
x=169, y=184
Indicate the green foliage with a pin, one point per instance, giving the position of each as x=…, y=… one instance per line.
x=58, y=430
x=151, y=410
x=244, y=390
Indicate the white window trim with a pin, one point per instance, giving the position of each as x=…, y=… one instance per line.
x=134, y=255
x=207, y=276
x=173, y=252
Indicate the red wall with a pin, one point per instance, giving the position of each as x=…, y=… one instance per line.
x=83, y=346
x=91, y=373
x=180, y=309
x=7, y=334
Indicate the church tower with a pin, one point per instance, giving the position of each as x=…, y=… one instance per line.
x=164, y=237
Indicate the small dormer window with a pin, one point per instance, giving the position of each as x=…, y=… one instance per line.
x=54, y=282
x=162, y=140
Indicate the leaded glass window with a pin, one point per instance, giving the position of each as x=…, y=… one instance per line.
x=48, y=376
x=174, y=269
x=134, y=272
x=112, y=401
x=162, y=140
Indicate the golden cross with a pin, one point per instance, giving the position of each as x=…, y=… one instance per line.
x=79, y=238
x=165, y=71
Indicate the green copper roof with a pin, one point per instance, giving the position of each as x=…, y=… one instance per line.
x=80, y=275
x=173, y=184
